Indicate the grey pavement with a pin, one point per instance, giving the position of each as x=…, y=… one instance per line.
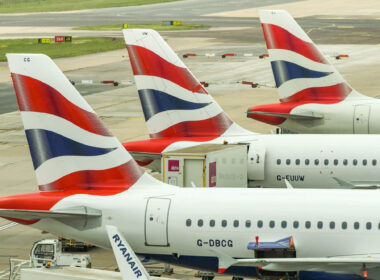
x=189, y=11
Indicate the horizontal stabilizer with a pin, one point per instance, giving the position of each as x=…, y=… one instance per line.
x=84, y=212
x=307, y=116
x=77, y=217
x=284, y=243
x=141, y=156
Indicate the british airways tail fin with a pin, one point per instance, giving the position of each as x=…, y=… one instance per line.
x=174, y=102
x=70, y=146
x=300, y=70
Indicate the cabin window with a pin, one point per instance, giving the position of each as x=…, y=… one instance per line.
x=224, y=223
x=307, y=224
x=316, y=161
x=248, y=223
x=374, y=162
x=279, y=162
x=326, y=162
x=200, y=223
x=368, y=225
x=283, y=224
x=344, y=225
x=188, y=222
x=355, y=162
x=307, y=161
x=260, y=224
x=295, y=224
x=288, y=162
x=336, y=162
x=332, y=225
x=298, y=161
x=320, y=225
x=212, y=223
x=236, y=223
x=364, y=162
x=271, y=224
x=345, y=162
x=356, y=225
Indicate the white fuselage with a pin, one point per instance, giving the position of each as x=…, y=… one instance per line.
x=307, y=161
x=359, y=115
x=155, y=221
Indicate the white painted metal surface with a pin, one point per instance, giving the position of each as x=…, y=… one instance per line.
x=156, y=222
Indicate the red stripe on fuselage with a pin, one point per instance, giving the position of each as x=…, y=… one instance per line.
x=212, y=127
x=277, y=37
x=330, y=94
x=44, y=201
x=36, y=96
x=146, y=62
x=122, y=176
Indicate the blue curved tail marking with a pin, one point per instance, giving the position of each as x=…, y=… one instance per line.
x=284, y=71
x=45, y=144
x=155, y=101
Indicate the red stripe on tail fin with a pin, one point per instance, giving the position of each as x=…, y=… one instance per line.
x=278, y=38
x=212, y=127
x=146, y=62
x=36, y=96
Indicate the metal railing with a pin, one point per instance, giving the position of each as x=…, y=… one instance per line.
x=4, y=274
x=15, y=266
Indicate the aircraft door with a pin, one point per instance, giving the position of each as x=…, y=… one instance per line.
x=256, y=162
x=156, y=222
x=194, y=172
x=361, y=119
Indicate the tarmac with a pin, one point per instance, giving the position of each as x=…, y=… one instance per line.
x=120, y=109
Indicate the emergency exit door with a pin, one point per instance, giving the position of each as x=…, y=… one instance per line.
x=156, y=222
x=361, y=119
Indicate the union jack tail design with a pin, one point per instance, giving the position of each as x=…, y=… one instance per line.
x=70, y=147
x=174, y=102
x=301, y=72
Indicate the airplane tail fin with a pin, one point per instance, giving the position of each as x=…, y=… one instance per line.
x=71, y=148
x=174, y=102
x=300, y=70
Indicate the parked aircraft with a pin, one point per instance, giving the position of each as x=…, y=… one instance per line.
x=90, y=185
x=314, y=97
x=180, y=113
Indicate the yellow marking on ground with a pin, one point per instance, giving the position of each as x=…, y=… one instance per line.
x=135, y=118
x=345, y=26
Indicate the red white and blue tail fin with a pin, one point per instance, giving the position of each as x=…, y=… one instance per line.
x=174, y=102
x=70, y=147
x=300, y=70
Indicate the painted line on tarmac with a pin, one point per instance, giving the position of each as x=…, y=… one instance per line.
x=8, y=226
